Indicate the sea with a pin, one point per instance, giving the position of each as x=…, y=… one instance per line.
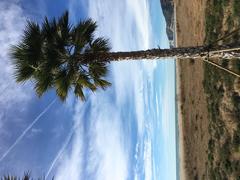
x=159, y=32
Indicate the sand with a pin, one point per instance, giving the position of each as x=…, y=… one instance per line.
x=191, y=99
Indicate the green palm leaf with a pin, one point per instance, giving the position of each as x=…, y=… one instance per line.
x=48, y=55
x=100, y=45
x=62, y=83
x=102, y=83
x=85, y=81
x=26, y=176
x=43, y=82
x=78, y=91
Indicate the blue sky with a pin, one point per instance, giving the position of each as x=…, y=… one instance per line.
x=125, y=132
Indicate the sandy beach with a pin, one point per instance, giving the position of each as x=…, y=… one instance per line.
x=180, y=128
x=191, y=99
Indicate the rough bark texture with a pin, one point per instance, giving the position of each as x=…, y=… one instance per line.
x=182, y=53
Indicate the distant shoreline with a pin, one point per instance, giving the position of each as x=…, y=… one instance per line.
x=189, y=30
x=179, y=137
x=180, y=141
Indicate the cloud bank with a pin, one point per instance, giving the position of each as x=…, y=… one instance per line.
x=114, y=138
x=11, y=25
x=13, y=97
x=101, y=149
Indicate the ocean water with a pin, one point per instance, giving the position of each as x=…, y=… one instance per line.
x=166, y=70
x=128, y=131
x=134, y=122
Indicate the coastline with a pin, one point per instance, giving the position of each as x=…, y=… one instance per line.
x=179, y=119
x=181, y=153
x=191, y=106
x=192, y=121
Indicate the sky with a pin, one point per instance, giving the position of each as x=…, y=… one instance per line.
x=125, y=132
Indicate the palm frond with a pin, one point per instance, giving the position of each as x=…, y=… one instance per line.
x=32, y=43
x=9, y=177
x=85, y=29
x=78, y=91
x=83, y=34
x=102, y=83
x=63, y=82
x=48, y=54
x=26, y=176
x=27, y=55
x=23, y=69
x=43, y=82
x=98, y=69
x=63, y=36
x=85, y=81
x=49, y=29
x=23, y=72
x=100, y=45
x=53, y=57
x=64, y=25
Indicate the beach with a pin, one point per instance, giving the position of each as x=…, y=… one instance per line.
x=191, y=99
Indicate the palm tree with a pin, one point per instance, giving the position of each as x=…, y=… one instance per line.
x=47, y=54
x=10, y=177
x=26, y=176
x=57, y=54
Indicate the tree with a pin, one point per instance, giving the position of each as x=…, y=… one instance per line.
x=48, y=54
x=57, y=54
x=26, y=176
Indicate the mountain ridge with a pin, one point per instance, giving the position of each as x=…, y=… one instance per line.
x=168, y=12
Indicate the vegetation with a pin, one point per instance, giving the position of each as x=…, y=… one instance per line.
x=26, y=176
x=58, y=55
x=48, y=55
x=223, y=147
x=236, y=7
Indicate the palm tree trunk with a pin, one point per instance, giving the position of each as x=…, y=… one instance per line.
x=151, y=54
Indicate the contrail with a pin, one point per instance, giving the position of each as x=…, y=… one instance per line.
x=26, y=130
x=4, y=89
x=59, y=154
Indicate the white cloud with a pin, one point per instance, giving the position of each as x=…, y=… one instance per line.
x=148, y=159
x=11, y=26
x=140, y=12
x=36, y=130
x=165, y=119
x=70, y=162
x=110, y=145
x=168, y=102
x=127, y=24
x=107, y=157
x=130, y=30
x=13, y=97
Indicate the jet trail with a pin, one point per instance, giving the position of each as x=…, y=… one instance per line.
x=4, y=89
x=26, y=130
x=60, y=152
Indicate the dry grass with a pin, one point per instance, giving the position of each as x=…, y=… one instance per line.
x=209, y=98
x=194, y=114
